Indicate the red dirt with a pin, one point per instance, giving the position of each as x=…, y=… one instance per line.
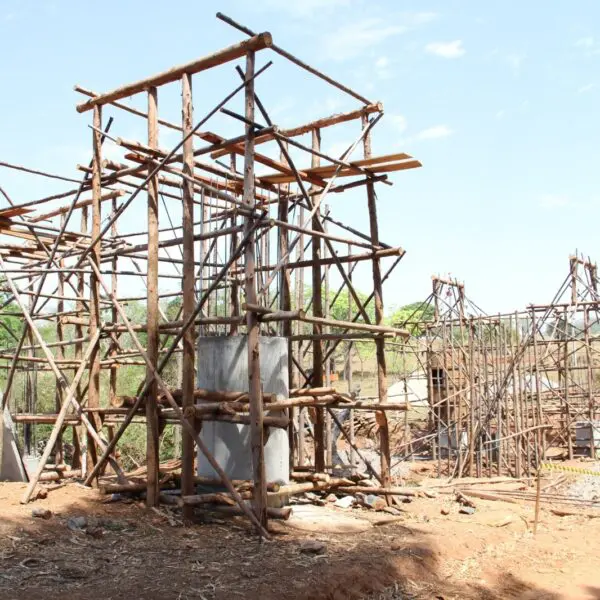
x=137, y=553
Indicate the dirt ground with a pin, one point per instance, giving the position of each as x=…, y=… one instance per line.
x=128, y=551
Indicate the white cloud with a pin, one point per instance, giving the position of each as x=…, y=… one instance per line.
x=553, y=201
x=436, y=132
x=501, y=114
x=515, y=61
x=585, y=42
x=383, y=68
x=424, y=17
x=398, y=121
x=453, y=49
x=586, y=88
x=354, y=39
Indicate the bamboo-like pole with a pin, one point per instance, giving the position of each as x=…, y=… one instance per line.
x=152, y=434
x=300, y=304
x=252, y=325
x=382, y=422
x=589, y=381
x=317, y=307
x=189, y=352
x=94, y=306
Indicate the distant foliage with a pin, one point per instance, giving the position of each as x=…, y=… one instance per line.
x=411, y=316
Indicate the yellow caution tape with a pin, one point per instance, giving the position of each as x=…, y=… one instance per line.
x=568, y=469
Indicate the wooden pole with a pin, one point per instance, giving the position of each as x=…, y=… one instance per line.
x=538, y=493
x=252, y=325
x=188, y=381
x=152, y=434
x=300, y=305
x=382, y=422
x=317, y=301
x=94, y=308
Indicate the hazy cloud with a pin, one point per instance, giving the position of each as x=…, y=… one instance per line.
x=585, y=42
x=436, y=132
x=398, y=121
x=354, y=39
x=553, y=201
x=453, y=49
x=586, y=88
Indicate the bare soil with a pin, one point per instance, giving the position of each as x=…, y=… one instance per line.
x=128, y=551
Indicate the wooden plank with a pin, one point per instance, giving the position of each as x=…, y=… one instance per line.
x=257, y=42
x=345, y=172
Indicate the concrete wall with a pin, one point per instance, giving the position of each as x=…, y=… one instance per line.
x=223, y=366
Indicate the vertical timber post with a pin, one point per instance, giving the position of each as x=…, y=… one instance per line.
x=188, y=375
x=382, y=422
x=285, y=299
x=152, y=458
x=254, y=386
x=60, y=354
x=94, y=319
x=317, y=297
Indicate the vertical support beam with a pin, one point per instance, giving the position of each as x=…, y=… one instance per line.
x=285, y=298
x=349, y=369
x=79, y=432
x=30, y=382
x=317, y=298
x=567, y=372
x=188, y=375
x=537, y=411
x=329, y=454
x=254, y=386
x=152, y=434
x=235, y=286
x=94, y=319
x=60, y=353
x=114, y=344
x=299, y=329
x=573, y=264
x=589, y=381
x=384, y=435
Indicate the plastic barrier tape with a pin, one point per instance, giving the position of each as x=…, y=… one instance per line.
x=568, y=469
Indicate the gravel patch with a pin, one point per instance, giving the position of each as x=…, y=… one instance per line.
x=587, y=487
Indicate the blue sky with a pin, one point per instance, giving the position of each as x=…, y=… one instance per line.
x=498, y=100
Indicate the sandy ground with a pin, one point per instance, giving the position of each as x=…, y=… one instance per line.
x=128, y=551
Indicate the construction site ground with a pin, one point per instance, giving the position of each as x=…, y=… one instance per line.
x=430, y=550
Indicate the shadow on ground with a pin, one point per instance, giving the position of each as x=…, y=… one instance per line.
x=126, y=551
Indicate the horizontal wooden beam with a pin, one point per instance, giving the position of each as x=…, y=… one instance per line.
x=257, y=42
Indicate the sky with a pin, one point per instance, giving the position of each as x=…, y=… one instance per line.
x=498, y=100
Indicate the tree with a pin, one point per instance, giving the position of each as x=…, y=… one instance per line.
x=10, y=326
x=411, y=316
